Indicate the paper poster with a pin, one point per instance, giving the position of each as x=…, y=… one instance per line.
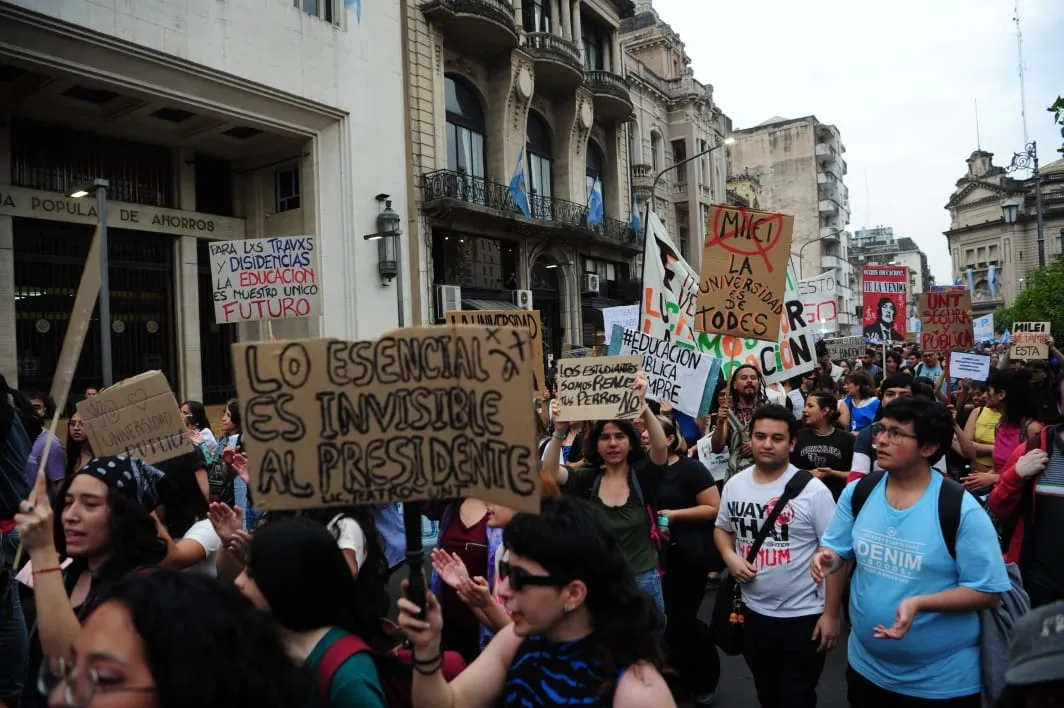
x=885, y=291
x=138, y=417
x=969, y=366
x=599, y=388
x=670, y=294
x=819, y=298
x=983, y=328
x=715, y=462
x=439, y=412
x=946, y=321
x=528, y=319
x=627, y=316
x=1029, y=340
x=743, y=281
x=264, y=278
x=845, y=347
x=682, y=376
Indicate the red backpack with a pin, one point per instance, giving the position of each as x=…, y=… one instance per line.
x=396, y=673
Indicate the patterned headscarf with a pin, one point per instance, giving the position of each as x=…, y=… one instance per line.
x=136, y=479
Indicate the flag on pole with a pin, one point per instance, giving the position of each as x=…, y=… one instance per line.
x=358, y=8
x=971, y=279
x=636, y=223
x=594, y=204
x=519, y=186
x=993, y=280
x=958, y=280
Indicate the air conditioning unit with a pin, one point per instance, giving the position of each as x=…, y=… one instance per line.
x=591, y=283
x=448, y=299
x=523, y=299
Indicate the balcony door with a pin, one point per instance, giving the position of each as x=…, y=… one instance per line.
x=540, y=166
x=465, y=137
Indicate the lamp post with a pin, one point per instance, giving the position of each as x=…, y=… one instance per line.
x=389, y=253
x=100, y=186
x=654, y=187
x=801, y=250
x=1028, y=159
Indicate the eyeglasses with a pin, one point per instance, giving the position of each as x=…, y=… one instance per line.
x=78, y=690
x=893, y=434
x=520, y=578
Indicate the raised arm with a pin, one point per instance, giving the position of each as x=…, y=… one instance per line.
x=659, y=442
x=552, y=456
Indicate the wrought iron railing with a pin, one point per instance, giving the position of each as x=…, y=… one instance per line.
x=458, y=186
x=550, y=45
x=608, y=82
x=498, y=10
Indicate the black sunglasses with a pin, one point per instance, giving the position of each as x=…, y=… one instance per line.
x=520, y=578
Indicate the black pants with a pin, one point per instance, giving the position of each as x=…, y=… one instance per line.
x=690, y=646
x=783, y=659
x=862, y=693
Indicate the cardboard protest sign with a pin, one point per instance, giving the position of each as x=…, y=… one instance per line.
x=845, y=347
x=528, y=319
x=969, y=366
x=744, y=272
x=946, y=321
x=683, y=377
x=599, y=388
x=885, y=289
x=819, y=300
x=1029, y=340
x=438, y=412
x=627, y=316
x=138, y=417
x=264, y=278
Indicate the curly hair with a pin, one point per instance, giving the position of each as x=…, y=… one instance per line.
x=205, y=643
x=762, y=394
x=830, y=404
x=591, y=441
x=571, y=539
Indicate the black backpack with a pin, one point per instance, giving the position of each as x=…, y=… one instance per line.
x=950, y=500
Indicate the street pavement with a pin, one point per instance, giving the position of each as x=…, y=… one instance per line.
x=736, y=688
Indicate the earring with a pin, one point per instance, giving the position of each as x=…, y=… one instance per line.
x=567, y=609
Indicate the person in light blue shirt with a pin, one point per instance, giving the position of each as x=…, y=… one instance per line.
x=914, y=608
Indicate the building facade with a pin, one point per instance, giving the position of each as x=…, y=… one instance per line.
x=799, y=166
x=211, y=120
x=489, y=84
x=980, y=236
x=675, y=119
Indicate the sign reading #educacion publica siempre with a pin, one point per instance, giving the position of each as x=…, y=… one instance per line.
x=52, y=206
x=419, y=413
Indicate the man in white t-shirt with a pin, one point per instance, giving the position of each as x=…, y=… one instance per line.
x=789, y=624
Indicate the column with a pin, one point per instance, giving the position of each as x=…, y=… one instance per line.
x=578, y=29
x=567, y=18
x=615, y=45
x=186, y=283
x=519, y=15
x=555, y=17
x=8, y=338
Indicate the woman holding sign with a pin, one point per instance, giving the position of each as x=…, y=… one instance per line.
x=619, y=482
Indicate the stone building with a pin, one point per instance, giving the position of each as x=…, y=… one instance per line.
x=800, y=168
x=675, y=119
x=211, y=120
x=541, y=80
x=980, y=235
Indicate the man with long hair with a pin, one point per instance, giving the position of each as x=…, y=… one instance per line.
x=746, y=394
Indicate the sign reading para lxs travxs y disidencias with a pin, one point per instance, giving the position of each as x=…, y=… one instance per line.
x=265, y=279
x=419, y=413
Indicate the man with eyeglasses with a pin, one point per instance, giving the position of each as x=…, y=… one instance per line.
x=915, y=598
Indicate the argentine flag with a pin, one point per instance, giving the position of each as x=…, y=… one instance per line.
x=594, y=204
x=636, y=223
x=519, y=186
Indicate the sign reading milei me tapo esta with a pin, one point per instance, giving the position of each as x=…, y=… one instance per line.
x=52, y=206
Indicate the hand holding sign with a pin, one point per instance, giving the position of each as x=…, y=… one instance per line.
x=601, y=388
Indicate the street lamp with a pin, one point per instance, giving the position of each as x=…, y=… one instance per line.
x=1028, y=159
x=1010, y=210
x=389, y=255
x=100, y=187
x=654, y=187
x=801, y=250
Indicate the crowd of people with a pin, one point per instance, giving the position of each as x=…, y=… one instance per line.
x=880, y=494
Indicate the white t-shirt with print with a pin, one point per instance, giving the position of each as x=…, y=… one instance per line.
x=782, y=586
x=203, y=533
x=349, y=536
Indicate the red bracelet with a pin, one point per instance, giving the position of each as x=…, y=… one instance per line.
x=53, y=569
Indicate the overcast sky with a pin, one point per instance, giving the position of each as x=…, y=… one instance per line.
x=899, y=79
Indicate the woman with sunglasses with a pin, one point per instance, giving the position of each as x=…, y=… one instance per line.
x=582, y=632
x=620, y=481
x=164, y=639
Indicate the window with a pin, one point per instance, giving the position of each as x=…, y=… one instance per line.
x=536, y=15
x=655, y=150
x=594, y=48
x=679, y=154
x=287, y=187
x=322, y=9
x=465, y=129
x=604, y=269
x=594, y=169
x=540, y=166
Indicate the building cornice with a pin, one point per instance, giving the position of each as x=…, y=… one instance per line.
x=997, y=189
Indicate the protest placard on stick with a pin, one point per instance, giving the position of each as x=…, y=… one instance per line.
x=419, y=413
x=599, y=388
x=529, y=319
x=845, y=347
x=945, y=321
x=676, y=374
x=1029, y=340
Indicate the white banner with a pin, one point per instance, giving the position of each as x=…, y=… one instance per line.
x=820, y=303
x=682, y=376
x=627, y=316
x=669, y=304
x=264, y=279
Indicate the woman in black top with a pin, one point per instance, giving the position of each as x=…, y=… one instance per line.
x=690, y=500
x=823, y=448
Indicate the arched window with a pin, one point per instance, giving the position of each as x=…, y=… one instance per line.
x=655, y=150
x=465, y=129
x=540, y=166
x=595, y=164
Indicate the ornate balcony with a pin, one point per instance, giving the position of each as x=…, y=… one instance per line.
x=642, y=180
x=479, y=27
x=558, y=66
x=446, y=192
x=612, y=96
